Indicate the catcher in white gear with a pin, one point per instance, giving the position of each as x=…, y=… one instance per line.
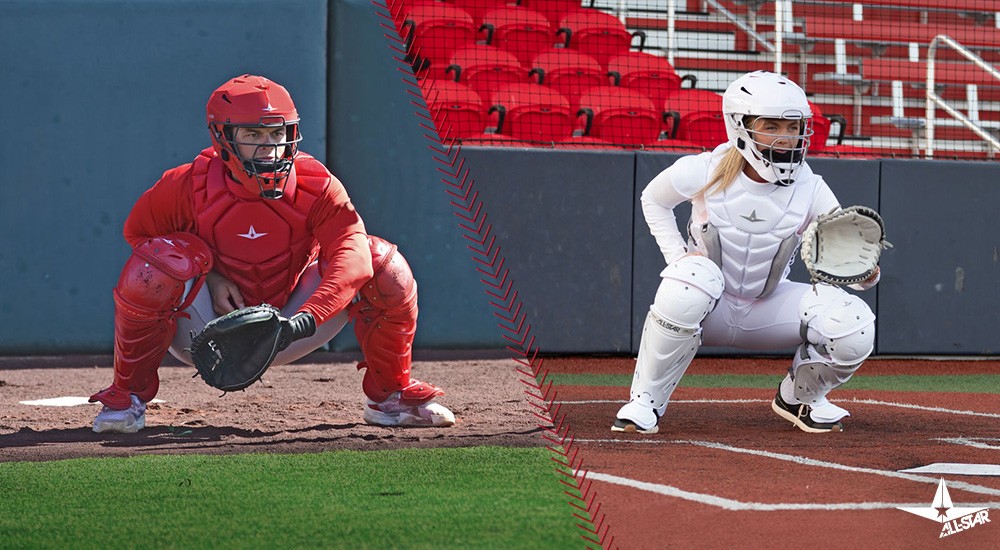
x=752, y=198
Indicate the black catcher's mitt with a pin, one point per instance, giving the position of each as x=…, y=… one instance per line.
x=234, y=350
x=844, y=246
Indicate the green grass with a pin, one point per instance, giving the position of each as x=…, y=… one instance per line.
x=968, y=383
x=478, y=497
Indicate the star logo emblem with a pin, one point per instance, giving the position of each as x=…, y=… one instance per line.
x=752, y=217
x=252, y=234
x=952, y=519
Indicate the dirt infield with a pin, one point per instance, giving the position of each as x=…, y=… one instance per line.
x=312, y=405
x=726, y=472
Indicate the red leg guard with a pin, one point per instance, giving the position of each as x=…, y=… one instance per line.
x=148, y=299
x=385, y=321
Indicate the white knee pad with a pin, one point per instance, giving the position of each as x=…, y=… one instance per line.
x=690, y=288
x=841, y=325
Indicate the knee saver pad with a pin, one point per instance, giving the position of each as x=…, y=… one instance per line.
x=154, y=276
x=841, y=322
x=392, y=286
x=853, y=347
x=690, y=288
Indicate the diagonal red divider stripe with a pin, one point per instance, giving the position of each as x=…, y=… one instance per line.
x=448, y=153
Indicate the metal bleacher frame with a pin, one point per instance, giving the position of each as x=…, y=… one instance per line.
x=770, y=33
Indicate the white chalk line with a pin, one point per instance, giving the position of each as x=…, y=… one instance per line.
x=66, y=401
x=806, y=462
x=743, y=401
x=971, y=442
x=730, y=504
x=735, y=505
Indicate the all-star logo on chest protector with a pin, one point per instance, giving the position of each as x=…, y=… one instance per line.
x=242, y=241
x=252, y=234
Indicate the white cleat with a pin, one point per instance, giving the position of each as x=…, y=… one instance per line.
x=393, y=413
x=635, y=417
x=126, y=421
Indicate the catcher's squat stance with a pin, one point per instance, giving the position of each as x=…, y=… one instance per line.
x=752, y=199
x=254, y=221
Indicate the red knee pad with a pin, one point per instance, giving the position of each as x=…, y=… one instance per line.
x=148, y=299
x=154, y=276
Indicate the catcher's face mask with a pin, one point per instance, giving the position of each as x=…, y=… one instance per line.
x=780, y=145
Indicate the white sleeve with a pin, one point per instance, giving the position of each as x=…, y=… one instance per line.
x=661, y=196
x=825, y=201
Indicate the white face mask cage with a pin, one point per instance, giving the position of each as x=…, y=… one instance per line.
x=776, y=165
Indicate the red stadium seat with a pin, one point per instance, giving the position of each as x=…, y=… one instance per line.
x=697, y=117
x=595, y=33
x=433, y=31
x=646, y=73
x=553, y=10
x=620, y=116
x=457, y=110
x=532, y=112
x=485, y=68
x=520, y=31
x=821, y=129
x=479, y=8
x=569, y=72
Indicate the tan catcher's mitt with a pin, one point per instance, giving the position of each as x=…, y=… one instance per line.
x=844, y=246
x=233, y=351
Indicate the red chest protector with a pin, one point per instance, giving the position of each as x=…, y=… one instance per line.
x=262, y=245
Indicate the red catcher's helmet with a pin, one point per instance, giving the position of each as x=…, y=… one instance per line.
x=254, y=101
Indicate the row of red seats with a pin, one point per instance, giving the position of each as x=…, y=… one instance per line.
x=608, y=114
x=486, y=68
x=612, y=115
x=433, y=30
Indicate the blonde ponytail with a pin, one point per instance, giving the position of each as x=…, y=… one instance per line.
x=726, y=172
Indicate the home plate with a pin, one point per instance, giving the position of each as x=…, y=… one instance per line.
x=955, y=469
x=68, y=401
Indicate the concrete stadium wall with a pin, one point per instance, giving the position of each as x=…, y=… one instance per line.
x=104, y=95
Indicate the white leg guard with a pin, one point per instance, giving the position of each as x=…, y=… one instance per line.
x=664, y=355
x=814, y=376
x=671, y=336
x=839, y=333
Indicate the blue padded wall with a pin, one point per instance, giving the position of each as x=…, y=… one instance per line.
x=940, y=291
x=105, y=96
x=563, y=220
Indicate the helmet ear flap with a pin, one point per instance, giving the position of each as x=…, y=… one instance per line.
x=224, y=155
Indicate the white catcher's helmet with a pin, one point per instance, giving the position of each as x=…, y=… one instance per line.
x=768, y=95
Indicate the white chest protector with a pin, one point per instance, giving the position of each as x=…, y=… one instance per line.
x=752, y=230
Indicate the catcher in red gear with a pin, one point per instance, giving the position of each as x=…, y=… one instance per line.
x=253, y=220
